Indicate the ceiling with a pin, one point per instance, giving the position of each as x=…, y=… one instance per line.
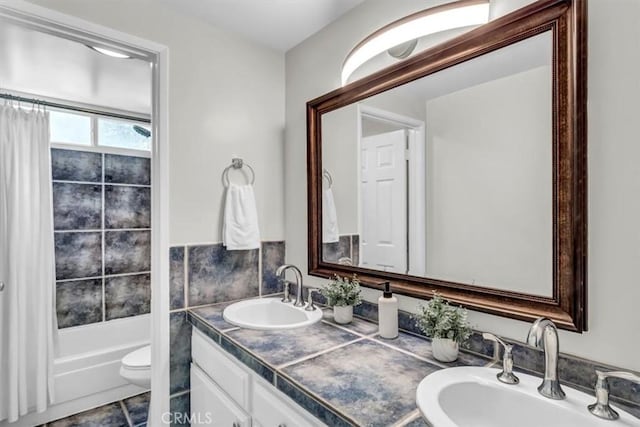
x=47, y=66
x=279, y=24
x=528, y=54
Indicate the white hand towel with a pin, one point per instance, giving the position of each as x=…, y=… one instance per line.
x=330, y=233
x=240, y=226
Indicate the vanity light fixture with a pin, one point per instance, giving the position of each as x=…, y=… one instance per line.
x=448, y=16
x=109, y=52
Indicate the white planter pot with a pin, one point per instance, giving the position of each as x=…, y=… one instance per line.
x=343, y=314
x=444, y=349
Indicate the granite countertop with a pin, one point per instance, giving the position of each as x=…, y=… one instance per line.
x=343, y=374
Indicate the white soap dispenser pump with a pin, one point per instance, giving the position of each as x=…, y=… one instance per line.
x=388, y=314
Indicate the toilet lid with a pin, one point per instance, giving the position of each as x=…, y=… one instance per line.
x=138, y=359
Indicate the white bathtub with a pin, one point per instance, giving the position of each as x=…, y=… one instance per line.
x=89, y=356
x=87, y=367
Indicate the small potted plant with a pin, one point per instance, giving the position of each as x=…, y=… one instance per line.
x=446, y=325
x=342, y=294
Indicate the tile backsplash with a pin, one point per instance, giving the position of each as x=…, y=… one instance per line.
x=207, y=274
x=347, y=247
x=217, y=275
x=574, y=371
x=102, y=222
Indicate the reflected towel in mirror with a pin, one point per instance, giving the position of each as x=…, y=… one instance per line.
x=330, y=232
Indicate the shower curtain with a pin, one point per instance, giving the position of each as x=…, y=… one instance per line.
x=27, y=268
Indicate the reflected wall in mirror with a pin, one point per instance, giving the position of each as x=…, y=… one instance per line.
x=462, y=170
x=449, y=176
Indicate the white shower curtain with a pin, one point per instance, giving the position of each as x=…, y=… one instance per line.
x=27, y=268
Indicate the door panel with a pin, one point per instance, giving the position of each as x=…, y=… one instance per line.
x=384, y=202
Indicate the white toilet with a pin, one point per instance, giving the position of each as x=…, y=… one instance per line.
x=136, y=367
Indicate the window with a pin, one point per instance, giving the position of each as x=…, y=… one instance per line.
x=66, y=128
x=99, y=132
x=119, y=133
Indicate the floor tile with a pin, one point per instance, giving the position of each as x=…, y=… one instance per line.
x=109, y=415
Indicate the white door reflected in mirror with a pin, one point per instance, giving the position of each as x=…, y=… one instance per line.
x=383, y=189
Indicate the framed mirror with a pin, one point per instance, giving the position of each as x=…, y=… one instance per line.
x=462, y=170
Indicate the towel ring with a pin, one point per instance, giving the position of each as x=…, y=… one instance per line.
x=326, y=175
x=237, y=163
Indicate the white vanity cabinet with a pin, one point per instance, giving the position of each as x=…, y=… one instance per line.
x=210, y=405
x=226, y=393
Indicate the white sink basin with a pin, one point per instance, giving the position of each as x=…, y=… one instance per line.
x=473, y=397
x=269, y=314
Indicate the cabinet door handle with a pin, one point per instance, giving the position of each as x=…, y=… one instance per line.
x=1, y=286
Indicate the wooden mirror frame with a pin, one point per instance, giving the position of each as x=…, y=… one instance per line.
x=567, y=20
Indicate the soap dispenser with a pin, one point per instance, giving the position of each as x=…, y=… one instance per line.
x=388, y=314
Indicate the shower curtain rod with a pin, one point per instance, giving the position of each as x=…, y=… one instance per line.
x=72, y=108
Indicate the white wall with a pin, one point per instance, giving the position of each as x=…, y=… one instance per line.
x=340, y=158
x=313, y=68
x=226, y=99
x=489, y=184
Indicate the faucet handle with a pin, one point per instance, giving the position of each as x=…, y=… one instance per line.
x=601, y=408
x=310, y=305
x=506, y=376
x=286, y=298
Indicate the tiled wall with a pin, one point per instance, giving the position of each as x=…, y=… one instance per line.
x=102, y=221
x=348, y=246
x=207, y=274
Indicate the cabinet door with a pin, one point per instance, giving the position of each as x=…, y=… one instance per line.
x=211, y=406
x=213, y=361
x=270, y=409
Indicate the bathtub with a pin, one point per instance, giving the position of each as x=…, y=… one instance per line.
x=86, y=369
x=89, y=356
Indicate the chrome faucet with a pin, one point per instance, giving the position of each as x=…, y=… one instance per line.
x=280, y=272
x=310, y=305
x=506, y=376
x=544, y=334
x=601, y=408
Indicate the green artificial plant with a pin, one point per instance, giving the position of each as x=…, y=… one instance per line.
x=342, y=291
x=439, y=319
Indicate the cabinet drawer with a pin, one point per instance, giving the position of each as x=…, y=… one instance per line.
x=271, y=409
x=225, y=372
x=211, y=406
